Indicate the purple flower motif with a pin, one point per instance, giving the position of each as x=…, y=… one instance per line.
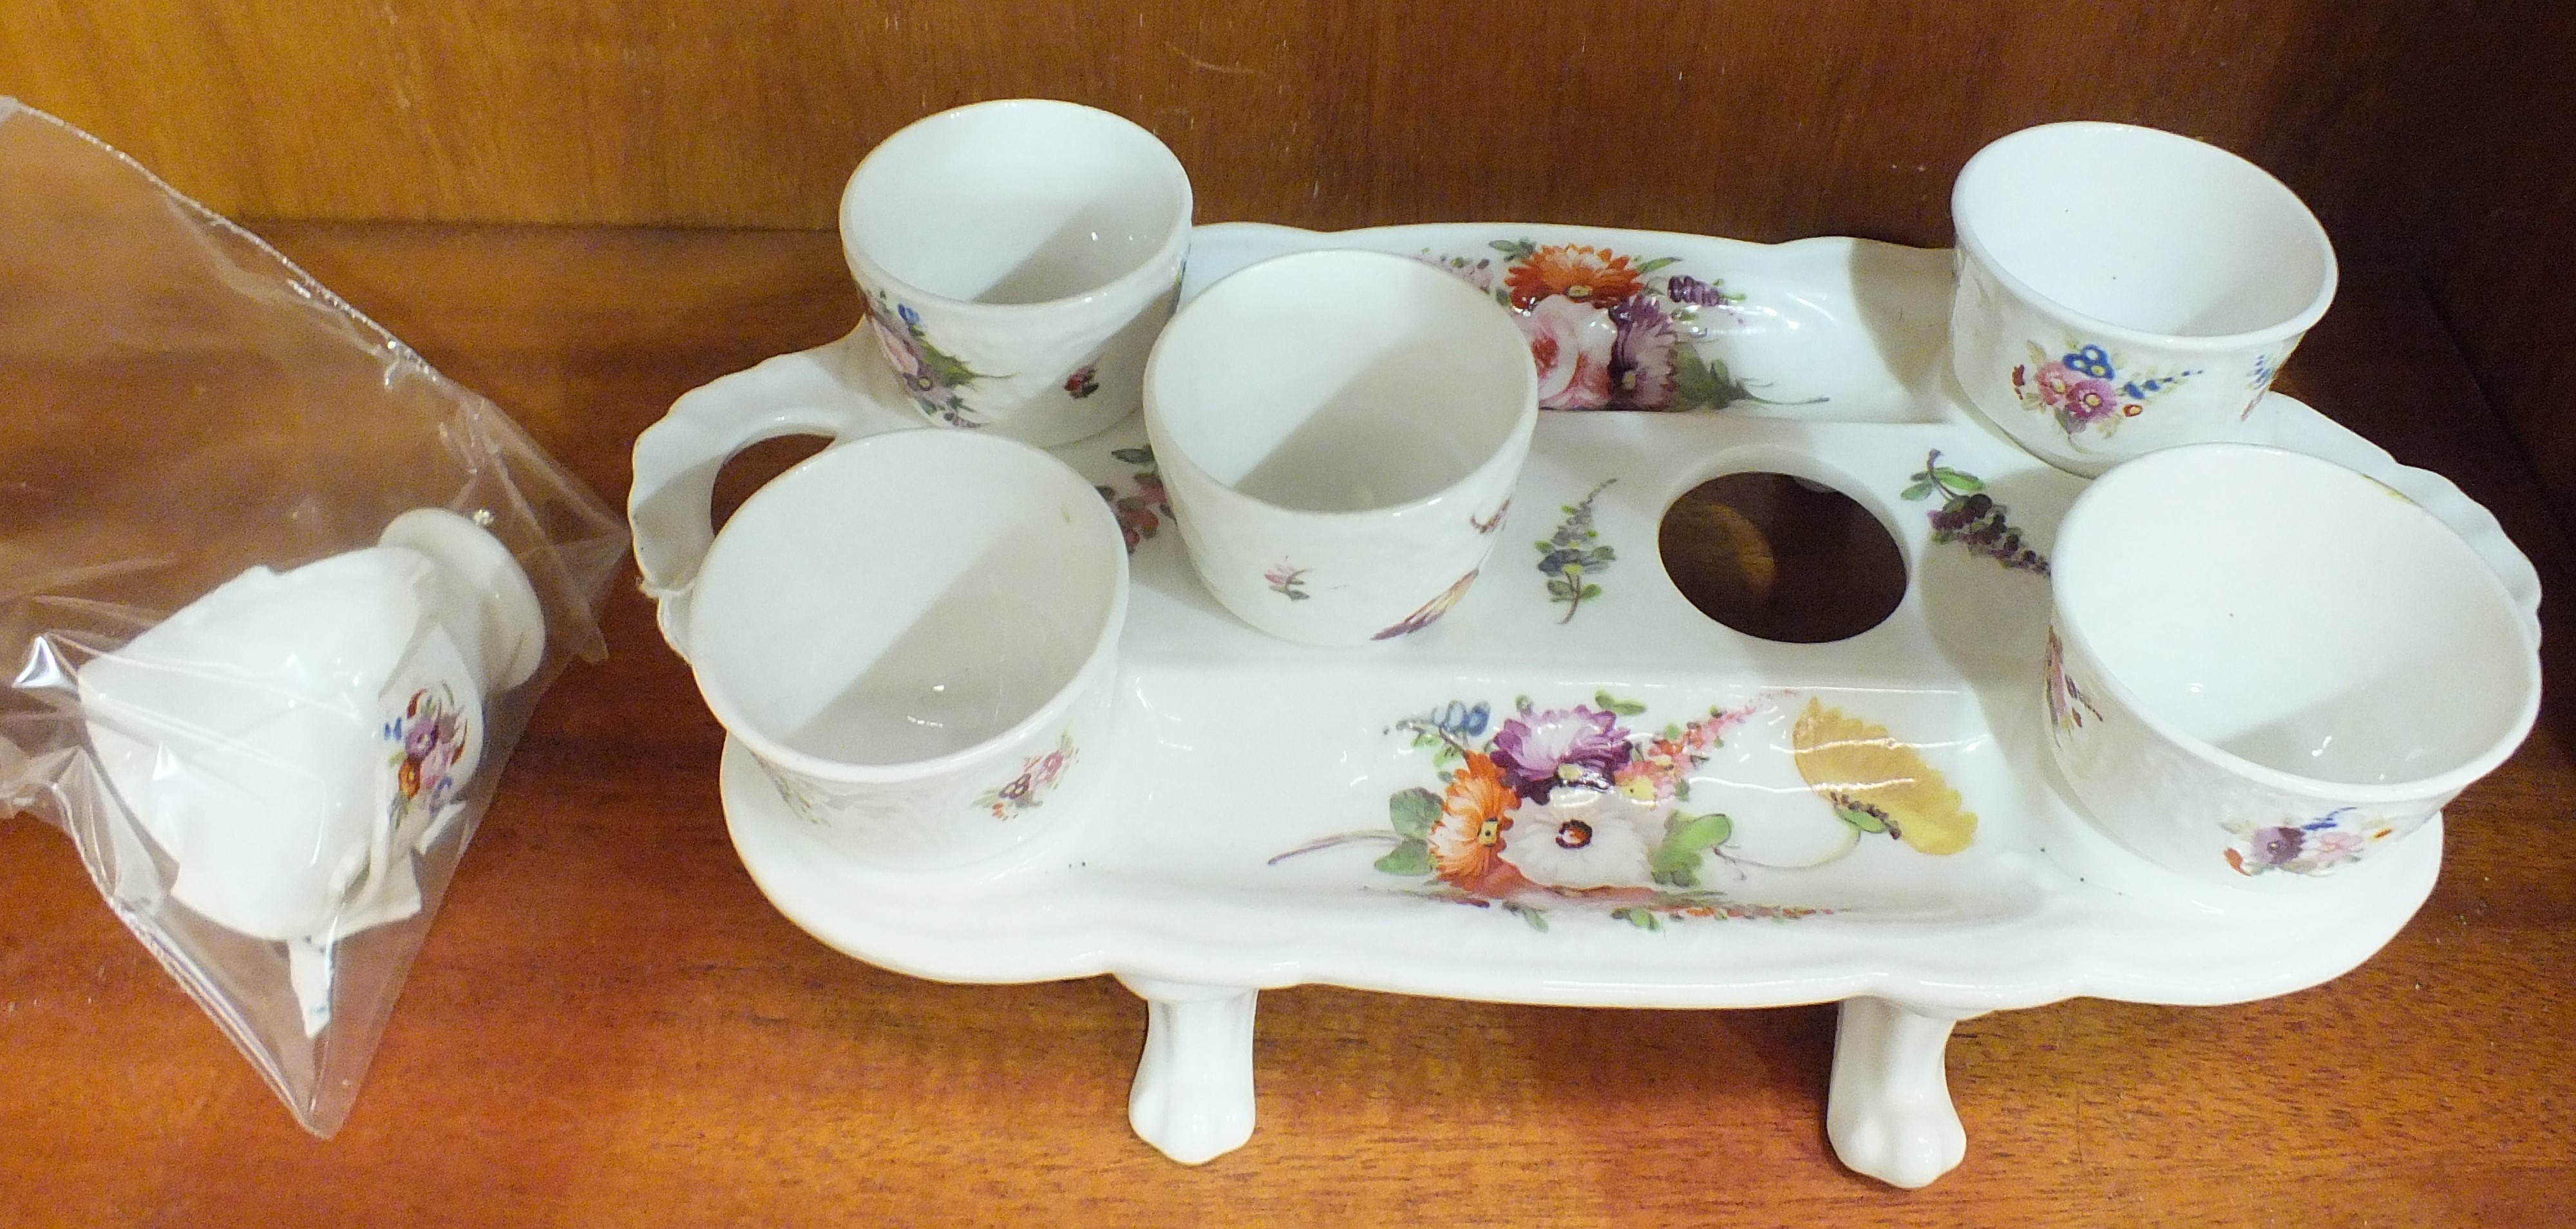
x=1579, y=746
x=418, y=739
x=1683, y=288
x=1641, y=355
x=2276, y=846
x=2089, y=402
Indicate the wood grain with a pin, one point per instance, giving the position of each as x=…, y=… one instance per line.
x=1760, y=119
x=608, y=1023
x=2506, y=236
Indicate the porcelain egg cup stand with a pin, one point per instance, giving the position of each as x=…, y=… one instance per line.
x=1589, y=794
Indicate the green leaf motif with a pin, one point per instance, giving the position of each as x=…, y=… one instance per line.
x=1920, y=490
x=1642, y=919
x=1537, y=918
x=1413, y=812
x=1625, y=708
x=1675, y=863
x=1517, y=249
x=1860, y=818
x=1657, y=263
x=1413, y=857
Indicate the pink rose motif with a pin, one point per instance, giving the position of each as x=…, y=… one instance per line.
x=1572, y=344
x=2056, y=382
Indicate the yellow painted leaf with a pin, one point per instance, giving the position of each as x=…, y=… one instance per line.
x=1853, y=763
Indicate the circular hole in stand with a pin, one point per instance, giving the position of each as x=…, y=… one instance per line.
x=1781, y=558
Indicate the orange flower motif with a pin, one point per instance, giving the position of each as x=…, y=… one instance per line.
x=1596, y=276
x=1467, y=843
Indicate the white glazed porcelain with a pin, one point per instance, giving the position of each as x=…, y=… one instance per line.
x=291, y=738
x=1340, y=433
x=2265, y=667
x=1017, y=258
x=2123, y=289
x=915, y=633
x=1247, y=845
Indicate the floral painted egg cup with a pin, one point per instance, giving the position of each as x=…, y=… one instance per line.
x=1340, y=432
x=2264, y=666
x=2123, y=289
x=291, y=738
x=1016, y=259
x=915, y=633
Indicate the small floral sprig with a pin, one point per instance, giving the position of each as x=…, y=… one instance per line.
x=1971, y=517
x=1568, y=557
x=1287, y=581
x=2313, y=848
x=1138, y=513
x=1083, y=382
x=2068, y=706
x=1431, y=610
x=1037, y=778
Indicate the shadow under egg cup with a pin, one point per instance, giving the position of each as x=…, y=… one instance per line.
x=915, y=634
x=1340, y=432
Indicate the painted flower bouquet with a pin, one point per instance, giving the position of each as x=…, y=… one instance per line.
x=2313, y=848
x=1608, y=331
x=428, y=740
x=2088, y=388
x=1567, y=806
x=936, y=380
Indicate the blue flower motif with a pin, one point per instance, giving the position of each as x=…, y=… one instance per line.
x=910, y=316
x=2093, y=361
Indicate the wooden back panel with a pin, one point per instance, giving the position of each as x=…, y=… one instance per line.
x=1761, y=119
x=2403, y=122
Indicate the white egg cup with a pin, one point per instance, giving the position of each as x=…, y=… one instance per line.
x=1017, y=258
x=1341, y=432
x=2123, y=289
x=2265, y=667
x=915, y=633
x=291, y=738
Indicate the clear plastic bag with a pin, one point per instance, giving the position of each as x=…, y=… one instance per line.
x=276, y=597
